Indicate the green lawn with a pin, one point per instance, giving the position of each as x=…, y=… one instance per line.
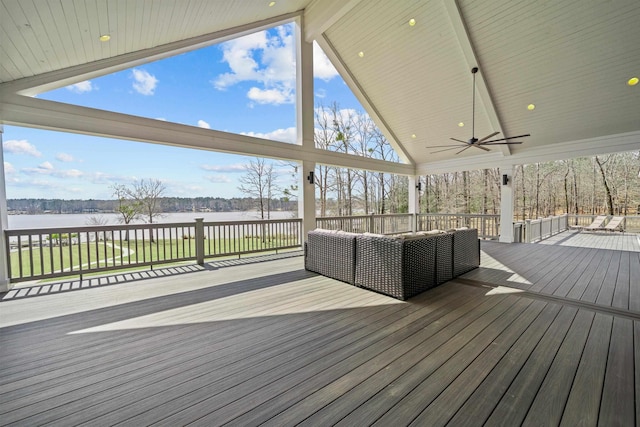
x=100, y=255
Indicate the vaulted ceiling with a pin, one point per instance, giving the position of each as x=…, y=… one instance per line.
x=572, y=59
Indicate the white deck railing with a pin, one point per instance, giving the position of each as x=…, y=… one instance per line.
x=68, y=251
x=488, y=225
x=375, y=223
x=539, y=229
x=631, y=223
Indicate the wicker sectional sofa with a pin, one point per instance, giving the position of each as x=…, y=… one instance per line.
x=398, y=266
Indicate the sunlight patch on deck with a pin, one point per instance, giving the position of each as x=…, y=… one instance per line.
x=489, y=262
x=253, y=304
x=501, y=290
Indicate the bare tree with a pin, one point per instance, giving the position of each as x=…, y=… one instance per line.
x=146, y=194
x=259, y=182
x=605, y=182
x=128, y=207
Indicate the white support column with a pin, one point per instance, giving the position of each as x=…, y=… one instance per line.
x=414, y=193
x=305, y=128
x=506, y=204
x=4, y=225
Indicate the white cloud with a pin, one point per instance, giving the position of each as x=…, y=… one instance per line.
x=271, y=96
x=64, y=157
x=8, y=168
x=203, y=124
x=71, y=173
x=47, y=166
x=262, y=57
x=145, y=83
x=345, y=114
x=233, y=168
x=322, y=67
x=218, y=179
x=283, y=135
x=22, y=146
x=81, y=87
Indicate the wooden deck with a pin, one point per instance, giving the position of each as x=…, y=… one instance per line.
x=269, y=343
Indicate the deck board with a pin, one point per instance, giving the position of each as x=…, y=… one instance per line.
x=618, y=394
x=583, y=404
x=269, y=343
x=565, y=266
x=482, y=401
x=549, y=403
x=516, y=401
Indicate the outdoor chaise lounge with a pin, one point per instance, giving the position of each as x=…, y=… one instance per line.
x=597, y=223
x=615, y=224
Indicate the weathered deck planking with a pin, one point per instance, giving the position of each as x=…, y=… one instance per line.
x=271, y=344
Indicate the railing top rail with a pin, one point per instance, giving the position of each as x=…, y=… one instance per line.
x=90, y=228
x=256, y=221
x=461, y=215
x=146, y=226
x=363, y=216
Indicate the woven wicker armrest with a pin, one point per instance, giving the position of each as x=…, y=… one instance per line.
x=331, y=254
x=466, y=251
x=395, y=267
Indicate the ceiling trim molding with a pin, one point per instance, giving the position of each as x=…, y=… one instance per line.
x=464, y=39
x=606, y=144
x=320, y=15
x=363, y=98
x=44, y=114
x=31, y=86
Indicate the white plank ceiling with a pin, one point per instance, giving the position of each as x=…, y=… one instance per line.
x=570, y=58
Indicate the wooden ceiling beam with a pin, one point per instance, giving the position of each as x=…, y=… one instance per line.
x=462, y=33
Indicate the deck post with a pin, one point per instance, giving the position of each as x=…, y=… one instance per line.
x=414, y=195
x=5, y=286
x=506, y=204
x=199, y=236
x=305, y=128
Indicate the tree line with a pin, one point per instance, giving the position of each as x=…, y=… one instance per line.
x=606, y=184
x=168, y=205
x=341, y=191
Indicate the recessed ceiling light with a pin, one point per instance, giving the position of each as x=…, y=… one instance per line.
x=413, y=135
x=531, y=107
x=361, y=54
x=460, y=124
x=412, y=22
x=271, y=4
x=105, y=38
x=633, y=81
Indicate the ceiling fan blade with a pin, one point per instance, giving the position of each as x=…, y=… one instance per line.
x=446, y=149
x=479, y=146
x=487, y=137
x=509, y=137
x=465, y=148
x=504, y=143
x=459, y=140
x=439, y=146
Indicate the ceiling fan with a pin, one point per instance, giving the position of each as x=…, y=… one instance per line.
x=475, y=142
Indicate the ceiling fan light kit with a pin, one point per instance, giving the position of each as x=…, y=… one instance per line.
x=475, y=142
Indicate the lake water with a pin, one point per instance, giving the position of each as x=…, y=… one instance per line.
x=19, y=222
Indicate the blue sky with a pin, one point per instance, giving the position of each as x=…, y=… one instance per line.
x=244, y=86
